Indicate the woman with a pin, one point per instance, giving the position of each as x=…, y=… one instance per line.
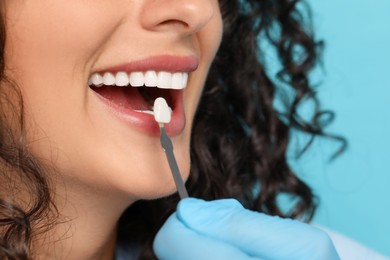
x=82, y=170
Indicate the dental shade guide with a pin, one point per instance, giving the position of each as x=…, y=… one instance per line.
x=162, y=115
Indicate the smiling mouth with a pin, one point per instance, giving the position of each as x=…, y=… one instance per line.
x=138, y=90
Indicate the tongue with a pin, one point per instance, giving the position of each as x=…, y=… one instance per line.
x=127, y=97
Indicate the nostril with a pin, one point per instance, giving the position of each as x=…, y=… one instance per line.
x=175, y=21
x=178, y=24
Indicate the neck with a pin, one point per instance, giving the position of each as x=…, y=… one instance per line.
x=87, y=227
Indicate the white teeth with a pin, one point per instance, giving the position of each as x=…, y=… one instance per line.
x=185, y=80
x=137, y=79
x=108, y=79
x=179, y=80
x=121, y=79
x=150, y=78
x=164, y=79
x=96, y=80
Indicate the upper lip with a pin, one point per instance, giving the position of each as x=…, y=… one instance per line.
x=158, y=63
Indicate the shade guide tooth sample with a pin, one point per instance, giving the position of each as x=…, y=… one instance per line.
x=162, y=115
x=162, y=112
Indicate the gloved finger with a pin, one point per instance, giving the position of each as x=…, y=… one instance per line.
x=175, y=241
x=255, y=233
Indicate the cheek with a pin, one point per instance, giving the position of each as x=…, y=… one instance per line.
x=67, y=33
x=215, y=31
x=48, y=55
x=210, y=39
x=209, y=42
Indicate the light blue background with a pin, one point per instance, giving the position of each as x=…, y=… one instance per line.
x=354, y=189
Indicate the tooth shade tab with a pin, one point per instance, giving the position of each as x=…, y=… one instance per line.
x=162, y=112
x=161, y=79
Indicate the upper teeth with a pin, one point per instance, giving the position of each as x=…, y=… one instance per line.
x=161, y=79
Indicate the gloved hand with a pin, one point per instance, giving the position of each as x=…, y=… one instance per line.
x=224, y=230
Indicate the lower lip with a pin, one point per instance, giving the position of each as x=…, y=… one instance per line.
x=145, y=123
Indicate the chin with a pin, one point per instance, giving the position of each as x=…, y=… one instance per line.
x=163, y=186
x=150, y=181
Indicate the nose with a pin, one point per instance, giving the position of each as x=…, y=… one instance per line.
x=185, y=16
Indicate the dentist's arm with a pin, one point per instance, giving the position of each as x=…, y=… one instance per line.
x=223, y=229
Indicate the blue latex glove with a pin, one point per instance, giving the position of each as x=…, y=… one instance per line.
x=223, y=229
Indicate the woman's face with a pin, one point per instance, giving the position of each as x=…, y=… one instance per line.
x=94, y=135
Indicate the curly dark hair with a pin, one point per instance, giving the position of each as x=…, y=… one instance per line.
x=239, y=139
x=19, y=221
